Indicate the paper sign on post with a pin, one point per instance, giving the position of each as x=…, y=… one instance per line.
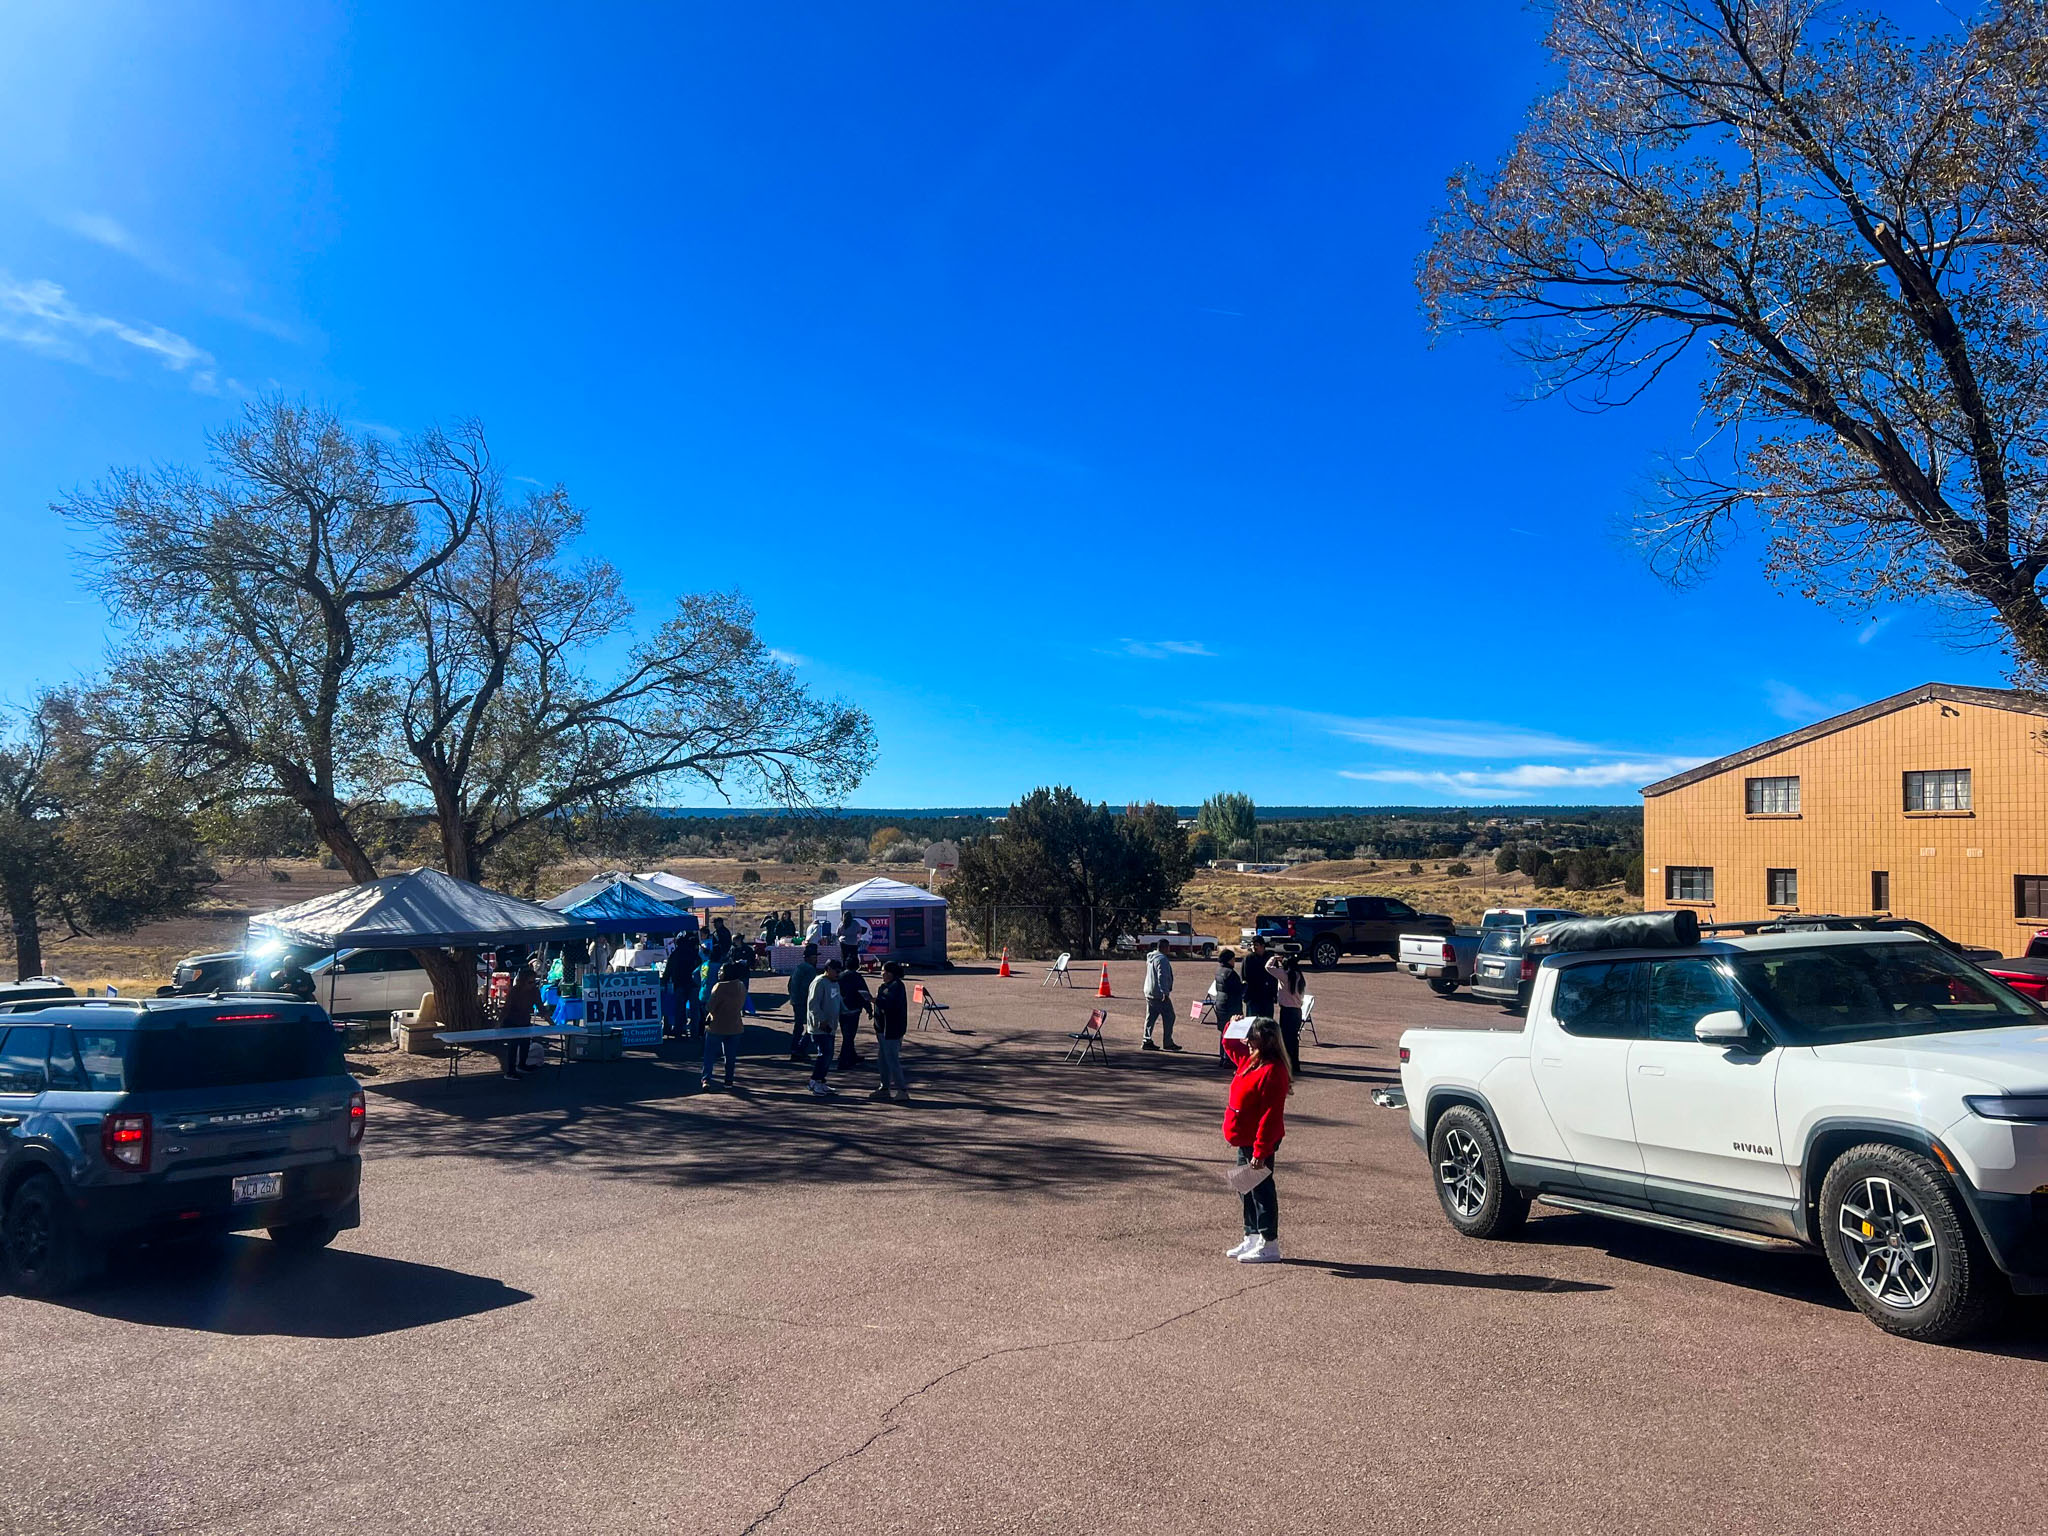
x=1238, y=1029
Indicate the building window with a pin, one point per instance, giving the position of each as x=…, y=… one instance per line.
x=2030, y=897
x=1688, y=882
x=1772, y=797
x=1781, y=887
x=1880, y=890
x=1944, y=789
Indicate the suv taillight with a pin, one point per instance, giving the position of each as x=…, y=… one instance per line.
x=358, y=1115
x=1528, y=969
x=124, y=1141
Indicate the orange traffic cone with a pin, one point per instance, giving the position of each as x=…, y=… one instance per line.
x=1103, y=990
x=1004, y=968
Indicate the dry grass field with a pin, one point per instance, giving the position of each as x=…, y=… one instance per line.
x=1215, y=901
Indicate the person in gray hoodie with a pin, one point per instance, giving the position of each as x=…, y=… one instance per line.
x=1159, y=996
x=824, y=1015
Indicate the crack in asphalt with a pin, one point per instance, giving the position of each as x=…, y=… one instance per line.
x=887, y=1428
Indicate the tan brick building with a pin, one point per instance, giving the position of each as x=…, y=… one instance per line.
x=1931, y=804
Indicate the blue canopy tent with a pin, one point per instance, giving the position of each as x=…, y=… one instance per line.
x=614, y=903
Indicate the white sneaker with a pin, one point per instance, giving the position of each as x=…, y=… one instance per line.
x=1244, y=1245
x=1267, y=1251
x=819, y=1090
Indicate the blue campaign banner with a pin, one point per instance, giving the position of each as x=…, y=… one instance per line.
x=629, y=999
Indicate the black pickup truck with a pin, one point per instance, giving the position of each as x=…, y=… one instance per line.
x=1350, y=925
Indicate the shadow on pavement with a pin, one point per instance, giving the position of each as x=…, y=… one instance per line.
x=1401, y=1274
x=997, y=1112
x=1793, y=1276
x=249, y=1286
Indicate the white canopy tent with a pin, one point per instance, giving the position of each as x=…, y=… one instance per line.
x=675, y=888
x=905, y=922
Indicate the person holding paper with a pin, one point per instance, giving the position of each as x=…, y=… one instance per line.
x=1253, y=1122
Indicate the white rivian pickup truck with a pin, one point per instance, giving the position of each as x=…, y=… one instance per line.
x=1870, y=1095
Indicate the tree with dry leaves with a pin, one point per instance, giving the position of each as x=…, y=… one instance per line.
x=1840, y=234
x=90, y=841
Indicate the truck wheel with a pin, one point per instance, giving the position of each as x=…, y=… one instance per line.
x=1471, y=1180
x=1903, y=1248
x=1326, y=954
x=44, y=1254
x=1443, y=986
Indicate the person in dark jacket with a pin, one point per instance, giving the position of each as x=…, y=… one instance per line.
x=1227, y=993
x=892, y=1022
x=854, y=1000
x=681, y=974
x=1259, y=986
x=800, y=981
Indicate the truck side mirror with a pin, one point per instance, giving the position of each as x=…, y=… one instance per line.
x=1725, y=1026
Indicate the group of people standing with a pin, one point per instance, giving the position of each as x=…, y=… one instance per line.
x=1263, y=985
x=695, y=966
x=1269, y=990
x=826, y=1003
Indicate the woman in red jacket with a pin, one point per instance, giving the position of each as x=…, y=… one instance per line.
x=1253, y=1122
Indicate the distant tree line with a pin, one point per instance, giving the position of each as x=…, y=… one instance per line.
x=1571, y=869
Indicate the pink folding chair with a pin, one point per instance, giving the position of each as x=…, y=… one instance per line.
x=1088, y=1039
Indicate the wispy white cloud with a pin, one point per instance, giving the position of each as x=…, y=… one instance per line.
x=1433, y=738
x=216, y=280
x=40, y=316
x=1874, y=628
x=1163, y=650
x=788, y=658
x=110, y=232
x=1526, y=780
x=1801, y=707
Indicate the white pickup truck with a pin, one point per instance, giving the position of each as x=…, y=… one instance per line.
x=1870, y=1095
x=1181, y=939
x=1444, y=960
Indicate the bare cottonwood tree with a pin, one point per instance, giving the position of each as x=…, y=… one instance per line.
x=337, y=621
x=259, y=608
x=506, y=731
x=1843, y=234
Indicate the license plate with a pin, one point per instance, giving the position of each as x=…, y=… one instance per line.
x=258, y=1186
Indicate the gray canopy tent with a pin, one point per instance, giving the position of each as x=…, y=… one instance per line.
x=421, y=910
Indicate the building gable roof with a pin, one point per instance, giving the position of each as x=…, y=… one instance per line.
x=2014, y=699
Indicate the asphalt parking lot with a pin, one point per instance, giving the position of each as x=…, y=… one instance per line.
x=599, y=1301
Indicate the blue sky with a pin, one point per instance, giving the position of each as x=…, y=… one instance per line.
x=1051, y=376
